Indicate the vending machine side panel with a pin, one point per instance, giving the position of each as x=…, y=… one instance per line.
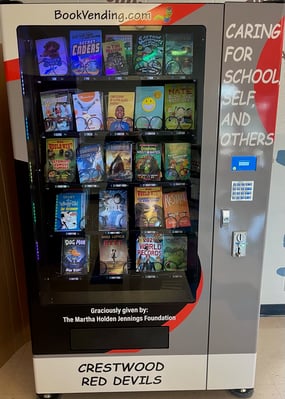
x=253, y=36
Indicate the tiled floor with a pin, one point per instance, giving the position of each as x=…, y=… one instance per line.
x=16, y=376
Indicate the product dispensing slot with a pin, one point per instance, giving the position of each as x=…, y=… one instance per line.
x=119, y=338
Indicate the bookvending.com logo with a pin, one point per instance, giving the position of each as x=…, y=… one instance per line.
x=107, y=15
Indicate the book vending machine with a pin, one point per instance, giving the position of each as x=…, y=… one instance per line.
x=143, y=141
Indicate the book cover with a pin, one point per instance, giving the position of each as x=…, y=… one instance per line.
x=120, y=112
x=148, y=162
x=56, y=110
x=74, y=256
x=113, y=250
x=90, y=163
x=175, y=252
x=52, y=56
x=148, y=54
x=70, y=211
x=86, y=52
x=115, y=59
x=149, y=107
x=177, y=161
x=88, y=111
x=119, y=161
x=179, y=53
x=176, y=209
x=113, y=210
x=148, y=207
x=149, y=252
x=179, y=106
x=128, y=44
x=60, y=160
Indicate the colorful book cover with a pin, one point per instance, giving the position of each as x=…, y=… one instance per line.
x=52, y=56
x=61, y=160
x=176, y=209
x=113, y=250
x=115, y=59
x=113, y=210
x=56, y=110
x=179, y=106
x=149, y=107
x=179, y=53
x=148, y=207
x=70, y=211
x=175, y=252
x=75, y=256
x=148, y=54
x=148, y=161
x=119, y=161
x=120, y=114
x=128, y=44
x=177, y=161
x=88, y=110
x=86, y=52
x=90, y=163
x=149, y=252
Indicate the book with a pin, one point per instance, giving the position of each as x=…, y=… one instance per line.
x=56, y=110
x=60, y=160
x=149, y=107
x=128, y=45
x=148, y=54
x=113, y=210
x=119, y=161
x=179, y=53
x=115, y=59
x=88, y=111
x=148, y=162
x=113, y=254
x=148, y=207
x=75, y=256
x=179, y=106
x=149, y=252
x=86, y=52
x=70, y=209
x=120, y=111
x=52, y=56
x=176, y=209
x=90, y=163
x=177, y=161
x=175, y=252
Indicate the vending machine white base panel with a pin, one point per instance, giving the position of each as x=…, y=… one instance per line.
x=136, y=373
x=231, y=371
x=119, y=374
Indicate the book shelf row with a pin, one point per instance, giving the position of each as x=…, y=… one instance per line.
x=170, y=106
x=154, y=252
x=92, y=53
x=118, y=161
x=114, y=211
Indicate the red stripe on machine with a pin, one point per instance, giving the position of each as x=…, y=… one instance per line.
x=12, y=70
x=266, y=92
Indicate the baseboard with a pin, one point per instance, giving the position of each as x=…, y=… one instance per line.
x=272, y=310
